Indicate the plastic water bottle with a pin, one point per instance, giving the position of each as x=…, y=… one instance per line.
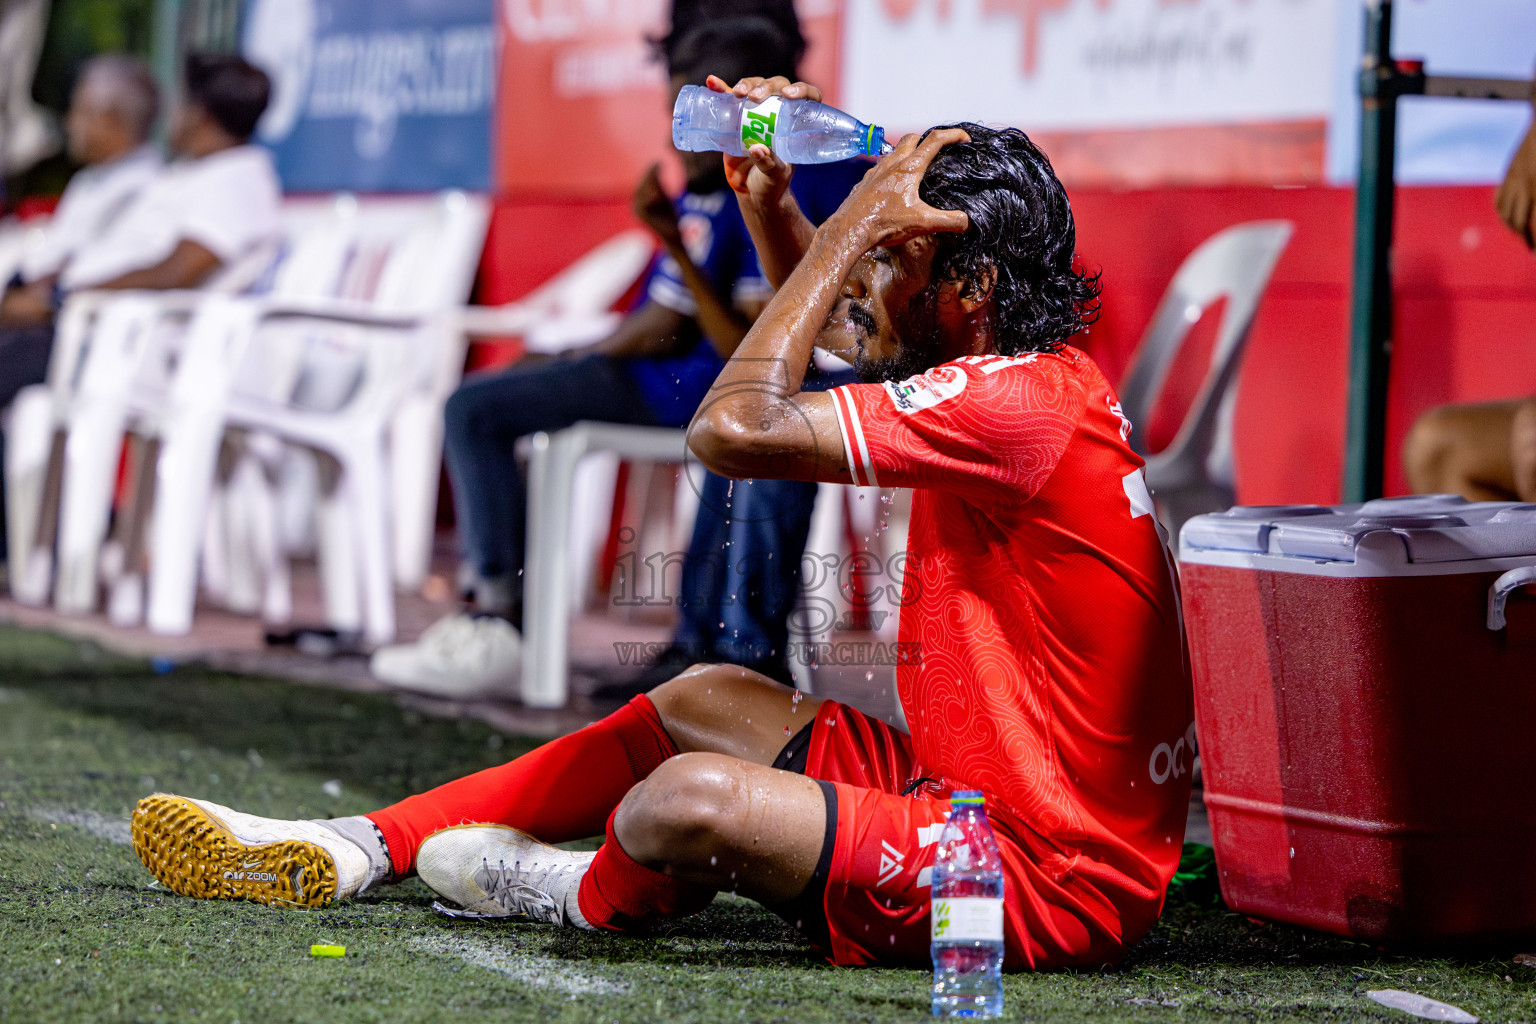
x=967, y=913
x=798, y=131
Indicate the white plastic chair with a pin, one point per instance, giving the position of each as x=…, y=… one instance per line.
x=573, y=306
x=1194, y=474
x=550, y=573
x=407, y=352
x=119, y=354
x=38, y=419
x=548, y=576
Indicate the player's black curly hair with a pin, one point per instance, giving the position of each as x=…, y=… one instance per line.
x=1021, y=224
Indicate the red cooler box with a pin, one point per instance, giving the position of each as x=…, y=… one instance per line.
x=1365, y=695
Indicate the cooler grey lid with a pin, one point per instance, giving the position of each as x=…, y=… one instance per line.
x=1431, y=528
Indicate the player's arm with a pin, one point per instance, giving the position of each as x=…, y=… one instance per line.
x=721, y=324
x=28, y=305
x=755, y=422
x=780, y=230
x=188, y=265
x=651, y=330
x=1516, y=197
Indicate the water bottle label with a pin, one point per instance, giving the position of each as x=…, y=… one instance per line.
x=968, y=919
x=760, y=123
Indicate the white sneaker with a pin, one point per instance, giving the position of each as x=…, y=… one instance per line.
x=461, y=657
x=202, y=849
x=496, y=871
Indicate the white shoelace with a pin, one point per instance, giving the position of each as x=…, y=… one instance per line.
x=507, y=888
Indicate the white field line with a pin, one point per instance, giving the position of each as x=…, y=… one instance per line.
x=102, y=826
x=532, y=969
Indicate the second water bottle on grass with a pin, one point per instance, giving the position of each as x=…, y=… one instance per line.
x=798, y=131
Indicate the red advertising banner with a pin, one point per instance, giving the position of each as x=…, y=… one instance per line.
x=582, y=104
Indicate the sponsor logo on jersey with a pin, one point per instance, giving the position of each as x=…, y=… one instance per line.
x=1119, y=414
x=929, y=834
x=927, y=390
x=698, y=234
x=1170, y=761
x=892, y=861
x=1135, y=485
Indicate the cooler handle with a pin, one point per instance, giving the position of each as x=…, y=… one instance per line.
x=1525, y=576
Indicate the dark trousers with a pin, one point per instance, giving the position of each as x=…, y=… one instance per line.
x=24, y=355
x=741, y=577
x=483, y=421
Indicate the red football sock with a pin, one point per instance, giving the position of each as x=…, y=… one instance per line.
x=620, y=894
x=563, y=790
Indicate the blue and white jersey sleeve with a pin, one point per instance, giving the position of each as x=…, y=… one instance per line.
x=714, y=236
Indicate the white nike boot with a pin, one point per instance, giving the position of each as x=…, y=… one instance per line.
x=462, y=657
x=496, y=871
x=202, y=849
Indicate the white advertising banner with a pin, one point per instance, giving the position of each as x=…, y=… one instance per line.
x=1076, y=65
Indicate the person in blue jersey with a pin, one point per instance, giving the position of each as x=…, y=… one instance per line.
x=700, y=297
x=741, y=574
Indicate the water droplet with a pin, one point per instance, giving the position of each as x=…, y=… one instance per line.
x=786, y=730
x=712, y=861
x=869, y=675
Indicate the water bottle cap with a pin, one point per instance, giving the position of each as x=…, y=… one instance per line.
x=967, y=797
x=874, y=141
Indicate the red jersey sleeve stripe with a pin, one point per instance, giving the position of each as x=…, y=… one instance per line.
x=859, y=462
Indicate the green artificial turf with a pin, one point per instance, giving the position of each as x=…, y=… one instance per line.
x=86, y=936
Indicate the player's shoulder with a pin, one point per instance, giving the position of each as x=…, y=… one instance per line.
x=1065, y=368
x=997, y=381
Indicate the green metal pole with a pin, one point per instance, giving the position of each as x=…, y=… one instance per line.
x=1371, y=319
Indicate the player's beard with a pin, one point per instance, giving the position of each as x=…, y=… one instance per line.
x=917, y=354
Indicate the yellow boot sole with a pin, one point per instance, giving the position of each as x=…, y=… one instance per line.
x=192, y=853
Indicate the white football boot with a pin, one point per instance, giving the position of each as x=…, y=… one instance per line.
x=462, y=657
x=496, y=871
x=202, y=849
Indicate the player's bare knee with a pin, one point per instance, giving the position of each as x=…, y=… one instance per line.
x=683, y=813
x=1522, y=450
x=681, y=698
x=709, y=695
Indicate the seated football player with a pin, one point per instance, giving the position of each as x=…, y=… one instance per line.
x=1046, y=662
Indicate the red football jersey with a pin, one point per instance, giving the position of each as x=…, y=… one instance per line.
x=1042, y=599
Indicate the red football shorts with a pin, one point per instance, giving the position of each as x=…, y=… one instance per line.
x=877, y=890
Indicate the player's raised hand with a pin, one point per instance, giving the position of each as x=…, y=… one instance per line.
x=1516, y=197
x=654, y=208
x=885, y=209
x=760, y=174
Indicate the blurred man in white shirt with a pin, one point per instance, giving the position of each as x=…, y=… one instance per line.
x=199, y=219
x=207, y=211
x=111, y=113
